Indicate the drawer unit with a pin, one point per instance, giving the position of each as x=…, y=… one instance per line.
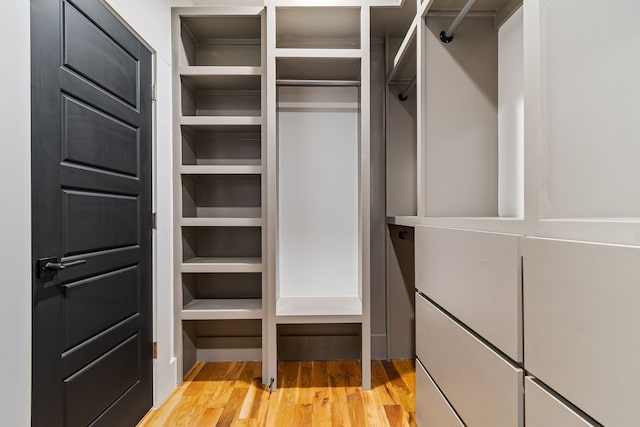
x=475, y=276
x=542, y=409
x=582, y=311
x=484, y=388
x=432, y=408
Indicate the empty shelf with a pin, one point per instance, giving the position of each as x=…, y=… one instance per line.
x=221, y=169
x=222, y=265
x=220, y=71
x=221, y=309
x=220, y=120
x=318, y=53
x=221, y=222
x=319, y=310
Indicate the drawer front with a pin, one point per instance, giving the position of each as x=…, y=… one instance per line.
x=475, y=276
x=432, y=409
x=484, y=388
x=582, y=311
x=542, y=409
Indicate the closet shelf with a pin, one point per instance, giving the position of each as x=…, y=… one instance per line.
x=404, y=62
x=221, y=222
x=408, y=221
x=317, y=53
x=319, y=310
x=200, y=82
x=222, y=309
x=222, y=265
x=220, y=170
x=220, y=121
x=208, y=70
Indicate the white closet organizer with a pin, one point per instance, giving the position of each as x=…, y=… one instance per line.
x=318, y=165
x=219, y=184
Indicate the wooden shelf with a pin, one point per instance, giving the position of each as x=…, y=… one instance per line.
x=222, y=265
x=199, y=82
x=408, y=221
x=220, y=170
x=222, y=309
x=220, y=121
x=220, y=71
x=319, y=310
x=221, y=222
x=404, y=62
x=318, y=53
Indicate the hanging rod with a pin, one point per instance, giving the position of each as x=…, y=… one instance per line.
x=447, y=36
x=402, y=96
x=290, y=82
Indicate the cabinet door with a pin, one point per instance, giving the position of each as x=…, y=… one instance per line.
x=544, y=410
x=475, y=276
x=484, y=388
x=432, y=409
x=582, y=311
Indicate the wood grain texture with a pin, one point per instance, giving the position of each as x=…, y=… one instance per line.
x=318, y=393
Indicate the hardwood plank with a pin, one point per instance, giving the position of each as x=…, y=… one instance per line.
x=317, y=394
x=356, y=407
x=394, y=415
x=302, y=415
x=209, y=417
x=232, y=407
x=380, y=383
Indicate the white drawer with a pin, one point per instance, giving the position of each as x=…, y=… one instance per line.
x=475, y=276
x=582, y=312
x=542, y=409
x=484, y=388
x=432, y=409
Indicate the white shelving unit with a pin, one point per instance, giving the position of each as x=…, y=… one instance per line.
x=219, y=84
x=318, y=170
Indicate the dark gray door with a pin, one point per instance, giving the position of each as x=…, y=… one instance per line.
x=91, y=222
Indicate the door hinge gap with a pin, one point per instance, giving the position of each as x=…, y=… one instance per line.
x=155, y=349
x=154, y=223
x=154, y=92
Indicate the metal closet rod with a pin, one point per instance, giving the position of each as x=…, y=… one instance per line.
x=293, y=82
x=447, y=36
x=402, y=96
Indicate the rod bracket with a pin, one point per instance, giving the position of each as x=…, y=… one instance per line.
x=444, y=38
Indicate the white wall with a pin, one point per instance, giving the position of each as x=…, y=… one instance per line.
x=318, y=191
x=511, y=117
x=15, y=227
x=151, y=19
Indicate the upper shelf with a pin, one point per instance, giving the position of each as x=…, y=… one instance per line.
x=318, y=68
x=404, y=62
x=318, y=27
x=319, y=310
x=220, y=40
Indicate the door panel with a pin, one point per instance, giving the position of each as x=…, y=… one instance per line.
x=97, y=221
x=85, y=399
x=91, y=198
x=93, y=138
x=114, y=70
x=114, y=296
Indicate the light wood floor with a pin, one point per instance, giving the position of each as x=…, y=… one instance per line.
x=309, y=394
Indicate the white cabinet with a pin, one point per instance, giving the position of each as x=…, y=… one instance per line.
x=543, y=409
x=581, y=305
x=483, y=387
x=475, y=276
x=432, y=408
